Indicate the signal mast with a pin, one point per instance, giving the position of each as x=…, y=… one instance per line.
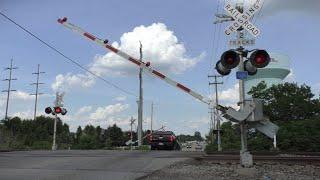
x=250, y=111
x=57, y=109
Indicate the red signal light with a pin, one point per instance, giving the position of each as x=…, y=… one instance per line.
x=171, y=138
x=230, y=59
x=260, y=58
x=57, y=110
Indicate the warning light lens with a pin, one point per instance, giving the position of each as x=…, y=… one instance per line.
x=48, y=110
x=260, y=58
x=63, y=111
x=57, y=110
x=230, y=59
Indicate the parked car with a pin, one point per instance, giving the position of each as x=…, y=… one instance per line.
x=163, y=140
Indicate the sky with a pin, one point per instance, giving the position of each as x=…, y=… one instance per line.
x=178, y=38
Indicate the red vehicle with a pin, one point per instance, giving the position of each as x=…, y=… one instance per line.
x=163, y=140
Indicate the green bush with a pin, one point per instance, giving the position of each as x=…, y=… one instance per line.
x=210, y=148
x=41, y=145
x=143, y=148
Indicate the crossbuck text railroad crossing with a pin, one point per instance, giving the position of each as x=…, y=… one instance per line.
x=242, y=19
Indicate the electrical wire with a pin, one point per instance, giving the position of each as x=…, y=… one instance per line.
x=212, y=49
x=68, y=58
x=259, y=13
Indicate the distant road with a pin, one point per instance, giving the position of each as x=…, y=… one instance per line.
x=82, y=164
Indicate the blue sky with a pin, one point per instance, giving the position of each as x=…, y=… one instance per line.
x=290, y=27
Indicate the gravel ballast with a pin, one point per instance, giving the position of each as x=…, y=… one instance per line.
x=264, y=170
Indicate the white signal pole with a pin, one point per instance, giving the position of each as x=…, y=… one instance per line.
x=54, y=146
x=57, y=103
x=245, y=156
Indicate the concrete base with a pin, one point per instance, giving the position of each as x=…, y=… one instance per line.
x=247, y=172
x=54, y=147
x=246, y=159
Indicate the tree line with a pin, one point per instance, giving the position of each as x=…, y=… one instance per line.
x=19, y=134
x=294, y=108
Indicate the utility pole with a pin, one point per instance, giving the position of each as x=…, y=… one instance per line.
x=216, y=113
x=140, y=106
x=131, y=135
x=9, y=86
x=212, y=122
x=37, y=92
x=151, y=119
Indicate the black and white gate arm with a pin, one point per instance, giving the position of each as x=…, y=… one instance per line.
x=135, y=61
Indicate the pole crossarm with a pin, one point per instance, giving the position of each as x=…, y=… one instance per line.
x=143, y=65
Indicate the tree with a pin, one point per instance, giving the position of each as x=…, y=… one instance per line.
x=114, y=136
x=296, y=110
x=197, y=136
x=286, y=102
x=230, y=136
x=87, y=142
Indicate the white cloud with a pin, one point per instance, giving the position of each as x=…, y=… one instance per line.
x=102, y=113
x=24, y=114
x=101, y=116
x=83, y=110
x=120, y=98
x=22, y=95
x=230, y=95
x=19, y=96
x=68, y=81
x=28, y=114
x=290, y=77
x=160, y=46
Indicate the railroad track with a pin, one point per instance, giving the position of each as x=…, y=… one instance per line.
x=292, y=158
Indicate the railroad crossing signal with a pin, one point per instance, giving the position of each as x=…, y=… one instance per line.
x=56, y=110
x=231, y=58
x=242, y=19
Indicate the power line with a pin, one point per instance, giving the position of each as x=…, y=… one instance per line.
x=66, y=57
x=214, y=37
x=259, y=13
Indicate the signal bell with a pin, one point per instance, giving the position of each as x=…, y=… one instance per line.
x=229, y=60
x=252, y=70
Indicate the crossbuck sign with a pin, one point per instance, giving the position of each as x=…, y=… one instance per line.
x=242, y=19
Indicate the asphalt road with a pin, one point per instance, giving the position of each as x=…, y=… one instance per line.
x=80, y=164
